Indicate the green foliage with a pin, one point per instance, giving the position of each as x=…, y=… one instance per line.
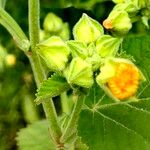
x=35, y=137
x=51, y=87
x=113, y=126
x=139, y=48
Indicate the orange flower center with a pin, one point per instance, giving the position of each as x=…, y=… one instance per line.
x=125, y=83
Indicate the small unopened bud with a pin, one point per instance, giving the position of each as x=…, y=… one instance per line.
x=87, y=30
x=65, y=32
x=120, y=22
x=10, y=60
x=42, y=35
x=54, y=52
x=107, y=45
x=52, y=23
x=79, y=73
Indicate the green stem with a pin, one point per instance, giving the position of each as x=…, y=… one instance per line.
x=37, y=68
x=39, y=72
x=64, y=103
x=51, y=116
x=34, y=22
x=72, y=124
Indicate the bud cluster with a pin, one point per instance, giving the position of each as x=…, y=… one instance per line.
x=92, y=57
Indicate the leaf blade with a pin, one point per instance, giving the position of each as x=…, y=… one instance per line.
x=51, y=87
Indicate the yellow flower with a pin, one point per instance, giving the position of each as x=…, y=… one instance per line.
x=125, y=82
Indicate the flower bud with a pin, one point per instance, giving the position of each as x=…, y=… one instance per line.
x=79, y=73
x=118, y=21
x=78, y=49
x=42, y=35
x=65, y=32
x=121, y=77
x=87, y=29
x=107, y=45
x=52, y=23
x=54, y=52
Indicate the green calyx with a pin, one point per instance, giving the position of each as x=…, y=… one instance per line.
x=87, y=30
x=54, y=52
x=78, y=49
x=93, y=57
x=107, y=71
x=107, y=45
x=79, y=73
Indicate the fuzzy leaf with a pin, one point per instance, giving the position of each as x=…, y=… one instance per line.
x=51, y=87
x=113, y=126
x=35, y=137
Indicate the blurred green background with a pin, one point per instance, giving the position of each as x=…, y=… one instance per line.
x=17, y=86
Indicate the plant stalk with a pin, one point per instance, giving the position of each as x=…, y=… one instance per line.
x=71, y=129
x=34, y=22
x=38, y=69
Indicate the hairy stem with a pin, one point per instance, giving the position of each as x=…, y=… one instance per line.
x=38, y=70
x=64, y=103
x=71, y=128
x=34, y=22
